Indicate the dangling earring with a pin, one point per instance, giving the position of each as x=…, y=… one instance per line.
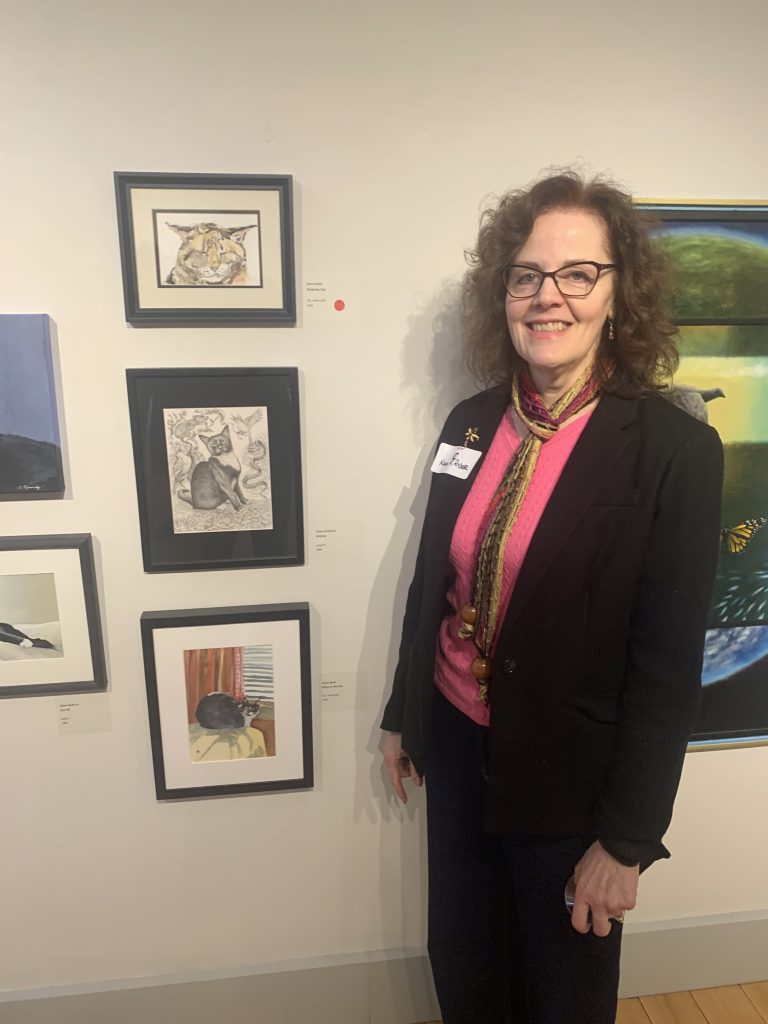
x=611, y=335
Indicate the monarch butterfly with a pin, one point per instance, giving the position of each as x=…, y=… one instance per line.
x=734, y=539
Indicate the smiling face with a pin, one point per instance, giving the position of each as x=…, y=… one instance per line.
x=558, y=337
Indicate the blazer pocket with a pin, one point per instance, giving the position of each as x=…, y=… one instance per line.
x=600, y=707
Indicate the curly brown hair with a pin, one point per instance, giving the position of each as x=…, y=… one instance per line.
x=643, y=356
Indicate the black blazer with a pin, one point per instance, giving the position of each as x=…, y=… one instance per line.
x=597, y=673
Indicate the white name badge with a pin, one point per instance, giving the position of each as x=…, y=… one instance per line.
x=456, y=460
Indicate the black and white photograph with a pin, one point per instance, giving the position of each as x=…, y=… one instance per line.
x=50, y=624
x=30, y=626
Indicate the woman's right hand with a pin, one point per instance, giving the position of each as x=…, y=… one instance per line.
x=399, y=765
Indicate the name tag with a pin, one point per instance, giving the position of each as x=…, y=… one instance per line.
x=455, y=460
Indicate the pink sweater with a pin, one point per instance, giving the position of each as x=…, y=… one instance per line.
x=453, y=676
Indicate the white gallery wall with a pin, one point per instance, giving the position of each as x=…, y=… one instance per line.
x=397, y=121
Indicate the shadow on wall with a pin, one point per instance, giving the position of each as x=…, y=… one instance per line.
x=434, y=379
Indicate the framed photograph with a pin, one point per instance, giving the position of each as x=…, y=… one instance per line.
x=719, y=253
x=218, y=467
x=206, y=249
x=50, y=626
x=229, y=698
x=30, y=445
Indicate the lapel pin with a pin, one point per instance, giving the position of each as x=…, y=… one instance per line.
x=472, y=435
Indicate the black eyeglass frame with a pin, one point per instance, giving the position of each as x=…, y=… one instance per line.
x=600, y=267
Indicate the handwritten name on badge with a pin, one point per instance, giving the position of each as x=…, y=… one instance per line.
x=456, y=460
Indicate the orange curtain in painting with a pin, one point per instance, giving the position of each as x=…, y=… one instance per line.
x=214, y=668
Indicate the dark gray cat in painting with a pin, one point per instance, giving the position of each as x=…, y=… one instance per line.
x=209, y=255
x=219, y=710
x=217, y=479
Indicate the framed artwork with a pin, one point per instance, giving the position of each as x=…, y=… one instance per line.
x=30, y=445
x=50, y=628
x=720, y=256
x=229, y=698
x=218, y=467
x=206, y=249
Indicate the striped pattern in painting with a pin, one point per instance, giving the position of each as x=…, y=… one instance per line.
x=258, y=671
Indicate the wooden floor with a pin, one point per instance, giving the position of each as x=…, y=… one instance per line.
x=737, y=1004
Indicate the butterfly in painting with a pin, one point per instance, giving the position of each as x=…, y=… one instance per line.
x=734, y=539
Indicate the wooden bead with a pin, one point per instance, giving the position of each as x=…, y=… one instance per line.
x=481, y=668
x=468, y=615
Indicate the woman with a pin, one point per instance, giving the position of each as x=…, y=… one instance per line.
x=549, y=670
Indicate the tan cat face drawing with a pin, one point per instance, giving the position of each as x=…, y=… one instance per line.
x=209, y=255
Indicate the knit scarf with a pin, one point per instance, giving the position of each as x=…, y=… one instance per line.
x=481, y=619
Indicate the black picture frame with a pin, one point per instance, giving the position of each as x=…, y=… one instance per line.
x=250, y=215
x=174, y=537
x=62, y=651
x=232, y=755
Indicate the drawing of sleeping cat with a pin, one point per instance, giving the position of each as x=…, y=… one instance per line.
x=216, y=479
x=209, y=255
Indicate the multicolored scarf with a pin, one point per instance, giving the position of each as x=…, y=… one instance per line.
x=481, y=618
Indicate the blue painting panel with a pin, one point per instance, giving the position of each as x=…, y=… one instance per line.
x=30, y=447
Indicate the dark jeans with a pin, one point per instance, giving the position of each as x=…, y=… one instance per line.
x=501, y=943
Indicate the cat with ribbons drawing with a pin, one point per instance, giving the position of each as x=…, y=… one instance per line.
x=550, y=662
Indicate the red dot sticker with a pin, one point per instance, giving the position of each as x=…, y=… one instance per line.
x=339, y=304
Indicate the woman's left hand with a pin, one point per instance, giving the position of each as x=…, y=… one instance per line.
x=604, y=887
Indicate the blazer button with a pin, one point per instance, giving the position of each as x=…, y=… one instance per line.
x=508, y=667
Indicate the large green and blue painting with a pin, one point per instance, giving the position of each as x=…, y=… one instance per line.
x=720, y=257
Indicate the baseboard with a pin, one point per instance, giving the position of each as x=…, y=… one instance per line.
x=695, y=952
x=384, y=987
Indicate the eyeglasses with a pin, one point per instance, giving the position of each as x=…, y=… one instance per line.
x=573, y=281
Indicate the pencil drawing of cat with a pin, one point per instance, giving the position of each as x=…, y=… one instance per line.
x=218, y=469
x=216, y=479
